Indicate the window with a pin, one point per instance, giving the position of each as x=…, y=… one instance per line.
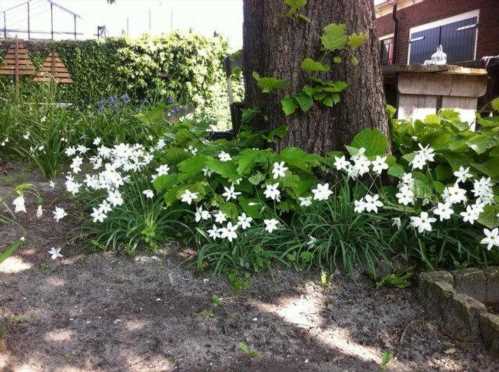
x=386, y=49
x=457, y=35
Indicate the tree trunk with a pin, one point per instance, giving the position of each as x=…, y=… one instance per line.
x=275, y=45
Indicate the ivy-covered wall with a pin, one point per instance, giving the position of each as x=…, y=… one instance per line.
x=187, y=67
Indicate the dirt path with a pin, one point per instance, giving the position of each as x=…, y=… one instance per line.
x=101, y=312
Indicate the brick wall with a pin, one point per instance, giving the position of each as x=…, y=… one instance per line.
x=434, y=10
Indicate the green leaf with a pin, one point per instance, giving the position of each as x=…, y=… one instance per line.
x=9, y=251
x=289, y=105
x=372, y=140
x=252, y=207
x=257, y=178
x=356, y=40
x=304, y=101
x=480, y=143
x=396, y=171
x=163, y=183
x=334, y=37
x=295, y=5
x=488, y=217
x=192, y=167
x=310, y=65
x=225, y=169
x=298, y=158
x=269, y=84
x=249, y=158
x=495, y=104
x=489, y=167
x=230, y=209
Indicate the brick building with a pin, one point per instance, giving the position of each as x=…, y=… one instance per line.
x=467, y=29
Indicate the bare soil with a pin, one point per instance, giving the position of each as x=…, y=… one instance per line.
x=103, y=312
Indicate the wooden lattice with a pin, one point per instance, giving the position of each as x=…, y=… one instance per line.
x=17, y=61
x=53, y=69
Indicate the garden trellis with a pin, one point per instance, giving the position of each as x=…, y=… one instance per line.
x=53, y=69
x=17, y=63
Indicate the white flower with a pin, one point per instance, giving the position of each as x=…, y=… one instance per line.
x=97, y=141
x=214, y=232
x=149, y=194
x=454, y=194
x=322, y=192
x=379, y=164
x=72, y=186
x=220, y=217
x=70, y=151
x=305, y=201
x=201, y=214
x=98, y=215
x=76, y=164
x=341, y=163
x=192, y=150
x=397, y=222
x=19, y=204
x=188, y=196
x=444, y=211
x=472, y=213
x=483, y=190
x=312, y=241
x=360, y=164
x=223, y=156
x=230, y=193
x=105, y=206
x=59, y=214
x=372, y=203
x=39, y=212
x=229, y=232
x=272, y=192
x=279, y=170
x=244, y=221
x=405, y=196
x=462, y=174
x=423, y=222
x=207, y=172
x=161, y=144
x=52, y=184
x=114, y=198
x=162, y=170
x=55, y=253
x=491, y=238
x=26, y=135
x=423, y=156
x=82, y=149
x=359, y=206
x=271, y=225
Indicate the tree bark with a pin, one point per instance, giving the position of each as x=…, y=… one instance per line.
x=275, y=45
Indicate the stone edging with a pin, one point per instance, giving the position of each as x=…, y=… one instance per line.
x=457, y=300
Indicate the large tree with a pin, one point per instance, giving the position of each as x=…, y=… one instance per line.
x=279, y=35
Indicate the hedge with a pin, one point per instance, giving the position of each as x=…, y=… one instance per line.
x=187, y=67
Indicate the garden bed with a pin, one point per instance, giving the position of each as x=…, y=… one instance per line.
x=104, y=312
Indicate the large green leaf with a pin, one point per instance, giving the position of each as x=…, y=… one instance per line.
x=334, y=37
x=192, y=167
x=310, y=65
x=289, y=105
x=226, y=169
x=269, y=84
x=163, y=183
x=300, y=159
x=495, y=104
x=305, y=101
x=489, y=167
x=356, y=40
x=488, y=217
x=9, y=251
x=249, y=158
x=372, y=140
x=481, y=142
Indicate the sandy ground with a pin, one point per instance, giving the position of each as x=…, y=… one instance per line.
x=102, y=312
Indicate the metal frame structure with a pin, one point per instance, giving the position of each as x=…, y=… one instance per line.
x=27, y=5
